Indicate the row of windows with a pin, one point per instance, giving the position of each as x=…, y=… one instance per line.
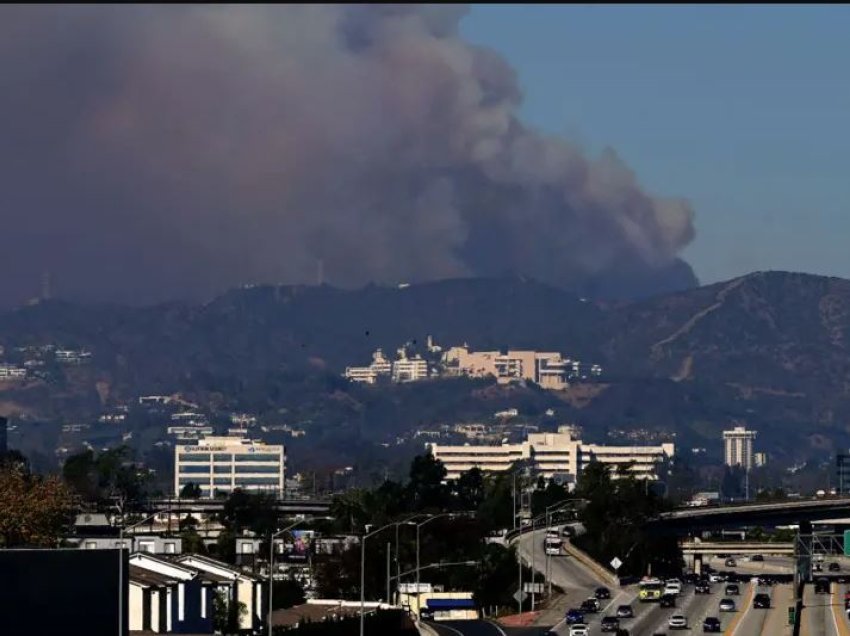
x=226, y=481
x=205, y=470
x=226, y=457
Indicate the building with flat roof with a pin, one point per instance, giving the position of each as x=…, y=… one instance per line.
x=224, y=464
x=738, y=447
x=551, y=455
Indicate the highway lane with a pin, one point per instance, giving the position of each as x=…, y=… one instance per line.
x=818, y=617
x=776, y=623
x=770, y=565
x=473, y=628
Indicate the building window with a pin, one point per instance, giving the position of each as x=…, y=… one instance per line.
x=91, y=545
x=263, y=468
x=222, y=468
x=247, y=548
x=170, y=547
x=194, y=469
x=256, y=481
x=222, y=481
x=257, y=457
x=146, y=546
x=195, y=457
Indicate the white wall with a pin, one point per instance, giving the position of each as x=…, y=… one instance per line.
x=135, y=606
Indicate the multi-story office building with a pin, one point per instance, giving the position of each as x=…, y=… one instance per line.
x=738, y=447
x=409, y=369
x=557, y=455
x=226, y=463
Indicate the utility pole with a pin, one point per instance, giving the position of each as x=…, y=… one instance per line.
x=389, y=552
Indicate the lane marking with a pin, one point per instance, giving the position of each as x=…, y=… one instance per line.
x=736, y=621
x=841, y=627
x=437, y=628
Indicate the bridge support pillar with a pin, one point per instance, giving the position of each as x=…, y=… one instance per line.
x=803, y=553
x=698, y=564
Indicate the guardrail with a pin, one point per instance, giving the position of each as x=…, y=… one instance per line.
x=578, y=554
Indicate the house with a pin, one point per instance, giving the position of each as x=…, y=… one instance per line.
x=167, y=597
x=240, y=587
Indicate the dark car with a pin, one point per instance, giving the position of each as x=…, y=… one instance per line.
x=822, y=586
x=834, y=567
x=602, y=592
x=757, y=557
x=610, y=624
x=730, y=563
x=732, y=590
x=711, y=624
x=625, y=611
x=590, y=606
x=702, y=587
x=574, y=616
x=667, y=600
x=761, y=601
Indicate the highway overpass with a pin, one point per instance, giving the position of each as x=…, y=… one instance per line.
x=753, y=514
x=285, y=506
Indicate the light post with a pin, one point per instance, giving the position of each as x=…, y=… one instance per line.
x=121, y=569
x=406, y=522
x=550, y=510
x=271, y=569
x=418, y=526
x=363, y=569
x=438, y=565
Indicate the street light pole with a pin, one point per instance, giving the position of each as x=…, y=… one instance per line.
x=121, y=569
x=271, y=570
x=419, y=525
x=363, y=572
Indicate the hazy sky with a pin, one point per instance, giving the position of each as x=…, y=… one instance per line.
x=744, y=110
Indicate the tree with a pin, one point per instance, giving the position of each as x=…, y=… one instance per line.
x=227, y=613
x=191, y=491
x=287, y=593
x=425, y=488
x=35, y=509
x=249, y=511
x=469, y=489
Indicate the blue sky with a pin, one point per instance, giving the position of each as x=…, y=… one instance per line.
x=744, y=110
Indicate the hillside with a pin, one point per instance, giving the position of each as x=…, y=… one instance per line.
x=767, y=349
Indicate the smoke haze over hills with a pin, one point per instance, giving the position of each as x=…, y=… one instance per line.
x=153, y=152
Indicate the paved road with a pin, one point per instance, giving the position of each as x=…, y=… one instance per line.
x=770, y=565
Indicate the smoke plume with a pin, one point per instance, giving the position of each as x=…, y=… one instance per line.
x=152, y=152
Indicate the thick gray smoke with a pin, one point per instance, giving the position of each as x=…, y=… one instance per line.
x=151, y=152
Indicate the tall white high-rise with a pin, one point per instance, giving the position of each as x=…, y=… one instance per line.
x=738, y=447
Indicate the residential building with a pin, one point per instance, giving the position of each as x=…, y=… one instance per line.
x=369, y=375
x=551, y=455
x=738, y=447
x=241, y=587
x=226, y=463
x=169, y=597
x=409, y=369
x=760, y=459
x=12, y=372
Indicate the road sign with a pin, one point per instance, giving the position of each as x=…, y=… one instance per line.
x=616, y=563
x=792, y=611
x=519, y=597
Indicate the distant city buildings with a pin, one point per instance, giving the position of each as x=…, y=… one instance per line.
x=738, y=447
x=842, y=465
x=760, y=459
x=12, y=372
x=551, y=455
x=223, y=464
x=548, y=369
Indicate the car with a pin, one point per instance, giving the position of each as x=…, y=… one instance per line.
x=732, y=590
x=727, y=605
x=552, y=532
x=677, y=621
x=818, y=567
x=761, y=601
x=672, y=587
x=711, y=624
x=716, y=577
x=574, y=616
x=667, y=600
x=730, y=563
x=579, y=629
x=691, y=578
x=834, y=567
x=590, y=605
x=610, y=624
x=625, y=611
x=822, y=586
x=757, y=557
x=602, y=592
x=702, y=587
x=567, y=532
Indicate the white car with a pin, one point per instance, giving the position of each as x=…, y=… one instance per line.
x=716, y=578
x=673, y=587
x=579, y=629
x=677, y=621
